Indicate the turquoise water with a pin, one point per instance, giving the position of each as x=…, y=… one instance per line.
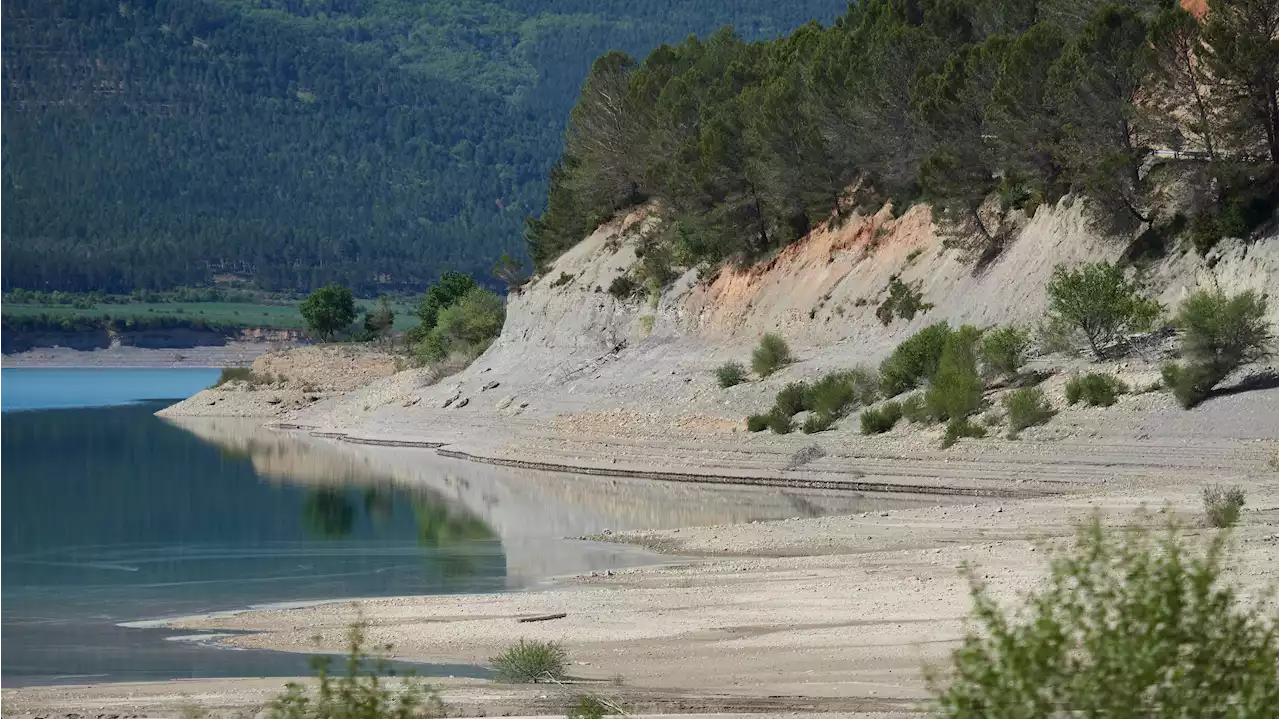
x=111, y=515
x=30, y=389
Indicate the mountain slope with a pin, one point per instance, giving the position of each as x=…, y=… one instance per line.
x=375, y=142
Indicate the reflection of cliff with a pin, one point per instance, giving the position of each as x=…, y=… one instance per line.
x=530, y=511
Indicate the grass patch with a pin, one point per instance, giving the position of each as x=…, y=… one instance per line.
x=1026, y=408
x=531, y=661
x=1222, y=505
x=780, y=423
x=878, y=421
x=1095, y=389
x=771, y=355
x=960, y=428
x=730, y=374
x=817, y=422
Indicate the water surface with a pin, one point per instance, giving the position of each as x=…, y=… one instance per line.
x=112, y=515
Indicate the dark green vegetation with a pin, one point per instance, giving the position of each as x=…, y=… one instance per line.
x=1222, y=505
x=1220, y=334
x=913, y=361
x=1026, y=407
x=730, y=374
x=1095, y=388
x=531, y=661
x=360, y=692
x=328, y=310
x=877, y=420
x=1133, y=624
x=827, y=400
x=150, y=144
x=235, y=374
x=903, y=302
x=1004, y=350
x=749, y=145
x=771, y=355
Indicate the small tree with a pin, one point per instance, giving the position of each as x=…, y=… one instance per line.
x=1220, y=335
x=510, y=271
x=451, y=287
x=470, y=323
x=328, y=310
x=378, y=321
x=1133, y=625
x=1096, y=301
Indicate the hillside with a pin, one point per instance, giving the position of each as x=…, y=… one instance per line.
x=375, y=142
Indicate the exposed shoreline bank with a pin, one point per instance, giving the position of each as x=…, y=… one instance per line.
x=233, y=354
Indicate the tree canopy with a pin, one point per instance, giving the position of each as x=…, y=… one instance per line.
x=154, y=143
x=747, y=145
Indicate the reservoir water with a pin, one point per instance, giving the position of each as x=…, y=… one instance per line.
x=112, y=516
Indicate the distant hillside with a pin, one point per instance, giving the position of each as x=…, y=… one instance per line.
x=152, y=143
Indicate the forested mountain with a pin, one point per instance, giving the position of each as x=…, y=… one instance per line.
x=746, y=145
x=154, y=143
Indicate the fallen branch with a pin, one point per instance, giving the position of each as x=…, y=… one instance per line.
x=542, y=617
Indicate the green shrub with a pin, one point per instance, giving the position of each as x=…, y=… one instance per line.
x=1026, y=407
x=1095, y=388
x=903, y=301
x=1169, y=374
x=730, y=374
x=1220, y=334
x=564, y=279
x=622, y=287
x=1222, y=505
x=589, y=707
x=914, y=410
x=877, y=421
x=817, y=422
x=913, y=361
x=771, y=355
x=865, y=383
x=235, y=374
x=358, y=693
x=757, y=423
x=469, y=324
x=781, y=423
x=962, y=427
x=1132, y=624
x=792, y=399
x=1097, y=302
x=530, y=661
x=956, y=390
x=1004, y=350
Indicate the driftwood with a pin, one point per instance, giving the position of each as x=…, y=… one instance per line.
x=542, y=617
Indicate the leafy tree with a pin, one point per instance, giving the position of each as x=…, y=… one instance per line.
x=511, y=272
x=1179, y=76
x=328, y=310
x=476, y=318
x=1132, y=624
x=1097, y=301
x=451, y=287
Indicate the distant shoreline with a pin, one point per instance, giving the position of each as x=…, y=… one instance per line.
x=233, y=354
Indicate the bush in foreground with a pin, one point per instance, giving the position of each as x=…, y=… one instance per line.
x=882, y=419
x=757, y=423
x=1026, y=407
x=1004, y=350
x=781, y=423
x=817, y=422
x=1134, y=624
x=960, y=428
x=531, y=661
x=914, y=410
x=1095, y=388
x=235, y=374
x=1222, y=505
x=771, y=355
x=792, y=399
x=1220, y=334
x=358, y=693
x=730, y=374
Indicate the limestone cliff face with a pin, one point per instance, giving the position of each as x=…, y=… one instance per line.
x=569, y=347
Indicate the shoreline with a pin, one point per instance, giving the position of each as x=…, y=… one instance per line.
x=232, y=354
